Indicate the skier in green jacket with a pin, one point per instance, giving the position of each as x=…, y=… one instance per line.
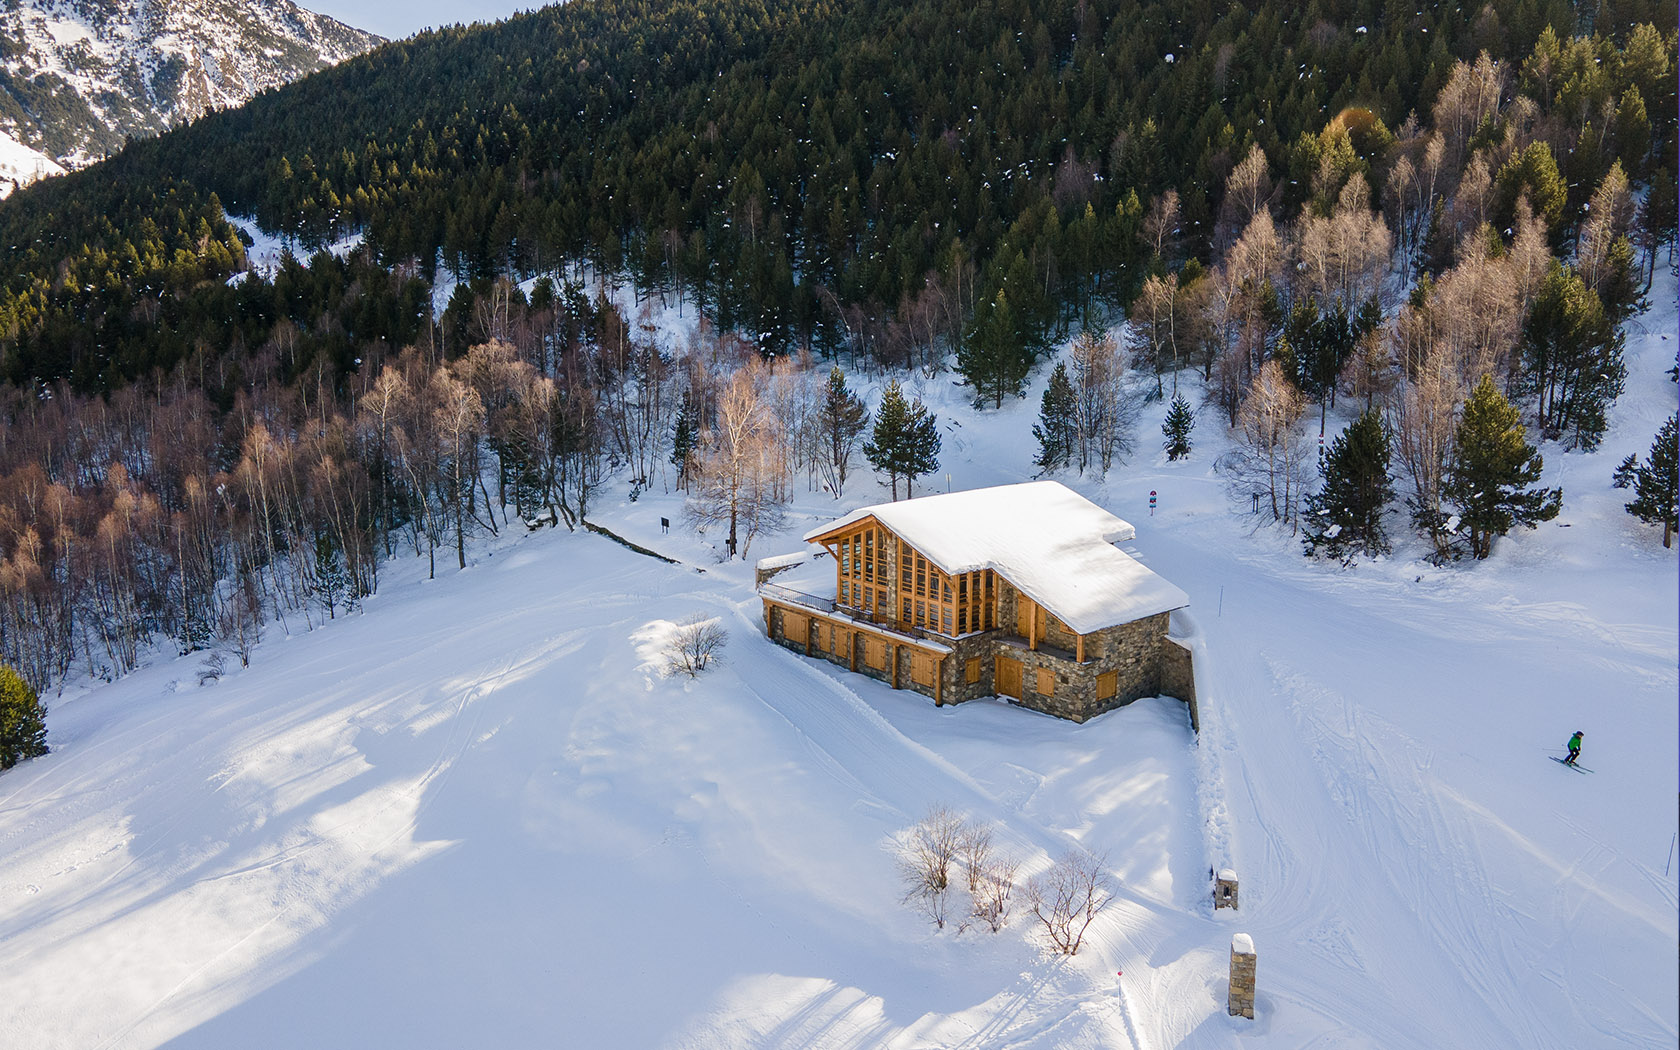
x=1574, y=749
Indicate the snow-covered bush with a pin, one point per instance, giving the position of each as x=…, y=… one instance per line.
x=693, y=646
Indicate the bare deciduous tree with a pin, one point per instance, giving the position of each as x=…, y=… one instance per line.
x=738, y=471
x=1241, y=304
x=991, y=879
x=1247, y=189
x=1608, y=218
x=694, y=645
x=1268, y=466
x=927, y=858
x=1103, y=414
x=1068, y=898
x=1472, y=94
x=1423, y=420
x=1345, y=254
x=1160, y=225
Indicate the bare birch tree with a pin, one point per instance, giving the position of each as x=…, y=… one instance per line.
x=1472, y=94
x=1268, y=468
x=1344, y=255
x=737, y=470
x=1423, y=420
x=1103, y=415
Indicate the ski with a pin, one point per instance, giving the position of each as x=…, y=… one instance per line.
x=1566, y=765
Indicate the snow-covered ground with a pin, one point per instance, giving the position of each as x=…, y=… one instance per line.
x=20, y=165
x=267, y=250
x=477, y=814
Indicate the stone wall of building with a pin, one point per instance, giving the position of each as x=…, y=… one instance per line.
x=1132, y=651
x=1143, y=660
x=1178, y=677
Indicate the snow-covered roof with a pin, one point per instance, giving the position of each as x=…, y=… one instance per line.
x=1053, y=544
x=782, y=561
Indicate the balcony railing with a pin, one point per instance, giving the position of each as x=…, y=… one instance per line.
x=793, y=597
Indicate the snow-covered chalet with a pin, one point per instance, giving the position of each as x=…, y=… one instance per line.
x=1016, y=591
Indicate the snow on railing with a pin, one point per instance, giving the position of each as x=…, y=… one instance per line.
x=793, y=597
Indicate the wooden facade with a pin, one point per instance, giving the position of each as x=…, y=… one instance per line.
x=898, y=617
x=882, y=579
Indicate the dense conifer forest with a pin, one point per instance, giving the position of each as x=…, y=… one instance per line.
x=1383, y=200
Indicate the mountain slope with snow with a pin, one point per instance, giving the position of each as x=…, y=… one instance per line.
x=477, y=814
x=78, y=76
x=20, y=165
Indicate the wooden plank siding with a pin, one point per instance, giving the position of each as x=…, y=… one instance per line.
x=862, y=575
x=919, y=595
x=835, y=641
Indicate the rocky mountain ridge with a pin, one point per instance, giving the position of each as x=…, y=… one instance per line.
x=78, y=76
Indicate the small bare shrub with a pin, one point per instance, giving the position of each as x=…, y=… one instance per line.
x=212, y=667
x=1068, y=897
x=695, y=643
x=991, y=879
x=926, y=857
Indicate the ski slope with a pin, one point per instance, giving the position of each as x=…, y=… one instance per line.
x=477, y=813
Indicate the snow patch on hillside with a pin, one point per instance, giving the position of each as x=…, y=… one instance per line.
x=267, y=251
x=20, y=165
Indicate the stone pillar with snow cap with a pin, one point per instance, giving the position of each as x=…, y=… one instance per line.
x=1240, y=1002
x=1225, y=889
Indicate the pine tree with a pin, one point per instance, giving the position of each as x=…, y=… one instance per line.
x=1626, y=471
x=684, y=441
x=993, y=357
x=842, y=418
x=1057, y=423
x=1574, y=357
x=1656, y=484
x=332, y=584
x=1491, y=464
x=23, y=725
x=1180, y=421
x=905, y=441
x=1345, y=517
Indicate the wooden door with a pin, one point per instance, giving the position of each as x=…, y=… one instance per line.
x=1023, y=615
x=923, y=667
x=874, y=652
x=1008, y=677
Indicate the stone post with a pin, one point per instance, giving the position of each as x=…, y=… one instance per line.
x=1225, y=889
x=1243, y=959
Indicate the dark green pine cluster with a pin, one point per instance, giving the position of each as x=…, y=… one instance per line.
x=808, y=172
